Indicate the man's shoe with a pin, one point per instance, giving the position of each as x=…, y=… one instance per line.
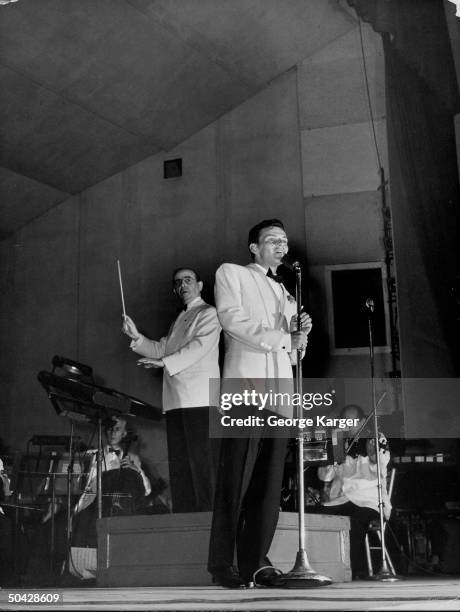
x=269, y=577
x=228, y=577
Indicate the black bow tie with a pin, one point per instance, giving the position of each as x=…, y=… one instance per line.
x=276, y=277
x=117, y=451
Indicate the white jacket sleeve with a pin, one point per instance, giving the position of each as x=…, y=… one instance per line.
x=149, y=348
x=205, y=339
x=237, y=322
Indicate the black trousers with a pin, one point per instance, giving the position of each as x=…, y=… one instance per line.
x=360, y=517
x=247, y=502
x=193, y=459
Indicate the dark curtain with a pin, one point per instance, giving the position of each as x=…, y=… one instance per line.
x=422, y=98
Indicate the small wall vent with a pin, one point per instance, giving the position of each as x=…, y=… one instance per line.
x=172, y=168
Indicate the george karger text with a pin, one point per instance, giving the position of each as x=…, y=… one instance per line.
x=277, y=421
x=321, y=421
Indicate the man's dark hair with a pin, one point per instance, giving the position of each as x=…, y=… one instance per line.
x=197, y=276
x=254, y=232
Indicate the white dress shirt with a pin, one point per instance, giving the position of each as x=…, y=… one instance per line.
x=355, y=480
x=5, y=482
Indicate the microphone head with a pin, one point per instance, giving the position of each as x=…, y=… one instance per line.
x=290, y=264
x=370, y=304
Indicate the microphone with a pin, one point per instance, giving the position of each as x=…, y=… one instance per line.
x=370, y=304
x=290, y=264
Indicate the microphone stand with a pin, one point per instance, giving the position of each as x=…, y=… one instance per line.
x=66, y=567
x=302, y=575
x=384, y=574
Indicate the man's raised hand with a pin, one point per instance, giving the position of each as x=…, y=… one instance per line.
x=129, y=328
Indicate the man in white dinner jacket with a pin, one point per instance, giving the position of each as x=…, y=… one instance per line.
x=259, y=320
x=188, y=355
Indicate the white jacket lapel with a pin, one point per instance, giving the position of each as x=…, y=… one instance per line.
x=267, y=292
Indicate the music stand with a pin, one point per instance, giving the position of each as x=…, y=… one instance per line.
x=77, y=400
x=76, y=396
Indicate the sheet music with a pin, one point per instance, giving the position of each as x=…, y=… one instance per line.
x=83, y=562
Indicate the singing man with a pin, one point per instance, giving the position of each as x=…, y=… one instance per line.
x=259, y=320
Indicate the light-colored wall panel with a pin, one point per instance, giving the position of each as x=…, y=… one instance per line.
x=332, y=84
x=344, y=228
x=260, y=167
x=334, y=93
x=342, y=159
x=348, y=46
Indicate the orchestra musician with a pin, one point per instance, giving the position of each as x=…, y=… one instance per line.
x=259, y=320
x=352, y=439
x=124, y=484
x=351, y=490
x=352, y=411
x=6, y=529
x=189, y=356
x=125, y=487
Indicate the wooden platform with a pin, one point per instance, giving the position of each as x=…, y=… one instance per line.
x=415, y=594
x=172, y=549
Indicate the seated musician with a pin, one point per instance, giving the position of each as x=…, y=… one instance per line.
x=6, y=529
x=124, y=484
x=351, y=490
x=4, y=486
x=124, y=487
x=352, y=411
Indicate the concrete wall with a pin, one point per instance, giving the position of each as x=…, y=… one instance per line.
x=59, y=275
x=343, y=220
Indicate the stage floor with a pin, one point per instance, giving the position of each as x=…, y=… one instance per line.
x=408, y=594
